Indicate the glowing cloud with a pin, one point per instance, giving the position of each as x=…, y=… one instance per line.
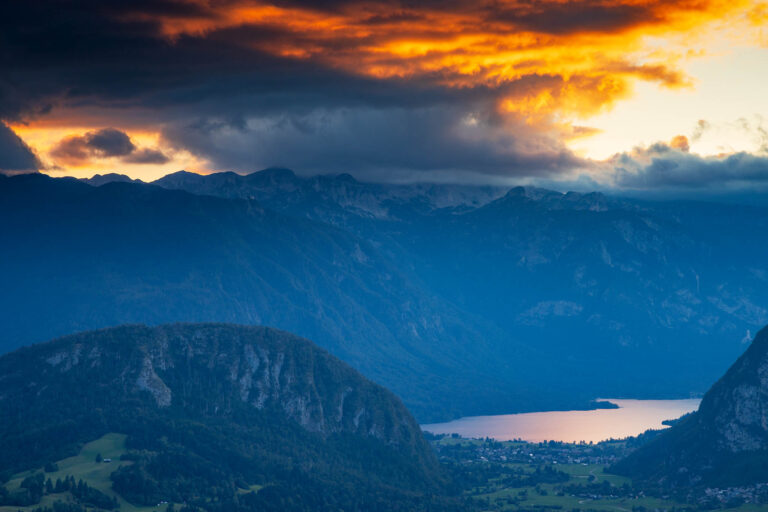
x=548, y=57
x=510, y=84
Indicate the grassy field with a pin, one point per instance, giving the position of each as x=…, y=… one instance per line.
x=544, y=497
x=84, y=466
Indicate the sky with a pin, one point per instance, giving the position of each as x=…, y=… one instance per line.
x=631, y=95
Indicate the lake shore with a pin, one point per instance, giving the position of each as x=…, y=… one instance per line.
x=631, y=417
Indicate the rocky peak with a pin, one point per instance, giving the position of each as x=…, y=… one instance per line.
x=98, y=180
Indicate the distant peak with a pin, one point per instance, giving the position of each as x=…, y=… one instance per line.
x=516, y=192
x=183, y=175
x=98, y=180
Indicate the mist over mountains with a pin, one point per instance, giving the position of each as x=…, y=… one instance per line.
x=462, y=300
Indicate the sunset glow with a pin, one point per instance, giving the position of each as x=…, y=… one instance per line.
x=590, y=79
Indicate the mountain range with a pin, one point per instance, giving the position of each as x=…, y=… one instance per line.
x=594, y=286
x=461, y=299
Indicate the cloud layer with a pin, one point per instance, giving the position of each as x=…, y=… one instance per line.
x=371, y=87
x=671, y=166
x=79, y=150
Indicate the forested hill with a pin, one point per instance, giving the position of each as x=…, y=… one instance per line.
x=724, y=443
x=210, y=408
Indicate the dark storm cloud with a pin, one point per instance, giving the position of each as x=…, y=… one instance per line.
x=109, y=142
x=104, y=143
x=15, y=155
x=147, y=156
x=370, y=140
x=569, y=17
x=215, y=81
x=81, y=54
x=549, y=17
x=661, y=166
x=266, y=91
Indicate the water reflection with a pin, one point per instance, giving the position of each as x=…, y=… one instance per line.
x=633, y=417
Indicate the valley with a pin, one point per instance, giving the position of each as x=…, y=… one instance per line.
x=524, y=477
x=383, y=256
x=498, y=476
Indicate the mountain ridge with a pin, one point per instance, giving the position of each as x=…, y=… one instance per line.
x=463, y=301
x=127, y=252
x=253, y=404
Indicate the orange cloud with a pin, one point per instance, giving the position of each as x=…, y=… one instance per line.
x=558, y=57
x=535, y=68
x=680, y=142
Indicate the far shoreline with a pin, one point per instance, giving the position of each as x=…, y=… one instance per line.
x=611, y=418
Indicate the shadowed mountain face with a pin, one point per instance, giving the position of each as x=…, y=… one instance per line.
x=231, y=404
x=462, y=300
x=78, y=257
x=724, y=443
x=601, y=288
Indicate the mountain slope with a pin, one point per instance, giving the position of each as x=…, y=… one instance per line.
x=460, y=301
x=597, y=287
x=210, y=407
x=724, y=443
x=615, y=285
x=78, y=257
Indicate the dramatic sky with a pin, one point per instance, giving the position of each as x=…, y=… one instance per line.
x=624, y=94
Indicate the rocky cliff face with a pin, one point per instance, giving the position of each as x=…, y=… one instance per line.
x=255, y=367
x=253, y=381
x=725, y=443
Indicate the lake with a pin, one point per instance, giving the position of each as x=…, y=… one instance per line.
x=633, y=417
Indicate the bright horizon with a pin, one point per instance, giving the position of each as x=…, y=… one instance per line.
x=553, y=92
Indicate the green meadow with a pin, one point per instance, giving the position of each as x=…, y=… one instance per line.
x=83, y=466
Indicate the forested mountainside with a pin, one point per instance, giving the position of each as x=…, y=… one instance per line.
x=212, y=411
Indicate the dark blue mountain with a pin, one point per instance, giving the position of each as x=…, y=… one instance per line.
x=460, y=299
x=79, y=257
x=628, y=297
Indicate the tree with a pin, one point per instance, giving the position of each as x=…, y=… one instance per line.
x=98, y=458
